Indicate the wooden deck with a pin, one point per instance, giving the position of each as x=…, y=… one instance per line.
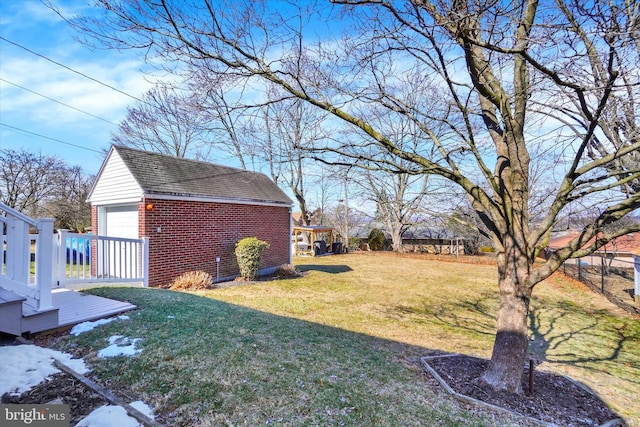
x=69, y=308
x=75, y=307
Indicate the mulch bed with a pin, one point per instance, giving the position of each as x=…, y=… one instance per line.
x=556, y=399
x=67, y=389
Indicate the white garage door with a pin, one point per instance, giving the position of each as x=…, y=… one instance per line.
x=122, y=221
x=115, y=258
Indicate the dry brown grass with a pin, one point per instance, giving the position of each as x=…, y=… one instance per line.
x=451, y=306
x=192, y=281
x=340, y=344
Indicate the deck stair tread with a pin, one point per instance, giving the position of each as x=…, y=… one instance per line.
x=28, y=310
x=7, y=297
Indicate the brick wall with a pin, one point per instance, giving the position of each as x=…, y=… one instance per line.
x=187, y=235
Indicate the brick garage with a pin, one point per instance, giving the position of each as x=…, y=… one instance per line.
x=192, y=212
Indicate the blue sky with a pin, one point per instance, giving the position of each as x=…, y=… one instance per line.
x=30, y=85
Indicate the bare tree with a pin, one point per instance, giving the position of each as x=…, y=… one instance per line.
x=398, y=198
x=226, y=117
x=328, y=189
x=167, y=121
x=283, y=131
x=27, y=179
x=397, y=194
x=41, y=185
x=68, y=202
x=500, y=70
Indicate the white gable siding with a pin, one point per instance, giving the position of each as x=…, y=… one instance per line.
x=115, y=184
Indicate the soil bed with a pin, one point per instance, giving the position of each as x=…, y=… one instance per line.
x=61, y=388
x=556, y=399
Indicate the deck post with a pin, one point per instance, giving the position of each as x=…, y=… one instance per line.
x=54, y=260
x=61, y=266
x=44, y=263
x=18, y=251
x=145, y=262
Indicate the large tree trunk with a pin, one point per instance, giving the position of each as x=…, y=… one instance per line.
x=508, y=359
x=396, y=239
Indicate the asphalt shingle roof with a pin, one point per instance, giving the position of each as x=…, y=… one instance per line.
x=160, y=174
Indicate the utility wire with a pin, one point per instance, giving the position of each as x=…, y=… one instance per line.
x=59, y=102
x=71, y=69
x=52, y=139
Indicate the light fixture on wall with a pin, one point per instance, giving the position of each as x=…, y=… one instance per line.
x=149, y=206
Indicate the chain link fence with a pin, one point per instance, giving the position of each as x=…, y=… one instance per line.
x=608, y=275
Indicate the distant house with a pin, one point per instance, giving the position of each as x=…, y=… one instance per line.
x=315, y=218
x=192, y=212
x=434, y=241
x=423, y=239
x=623, y=251
x=623, y=246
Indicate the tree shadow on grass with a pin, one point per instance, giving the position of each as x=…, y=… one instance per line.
x=316, y=373
x=463, y=315
x=239, y=365
x=589, y=340
x=559, y=333
x=331, y=269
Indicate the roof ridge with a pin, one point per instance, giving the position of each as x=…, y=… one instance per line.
x=185, y=159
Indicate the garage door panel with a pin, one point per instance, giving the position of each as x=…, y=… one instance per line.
x=115, y=257
x=122, y=221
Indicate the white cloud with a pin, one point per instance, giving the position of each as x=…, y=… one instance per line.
x=49, y=80
x=35, y=27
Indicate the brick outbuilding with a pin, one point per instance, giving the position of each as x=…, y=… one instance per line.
x=192, y=212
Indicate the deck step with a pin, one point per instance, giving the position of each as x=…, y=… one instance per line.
x=18, y=317
x=10, y=312
x=8, y=297
x=38, y=320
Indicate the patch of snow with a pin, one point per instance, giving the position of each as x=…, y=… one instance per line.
x=144, y=408
x=120, y=346
x=25, y=366
x=108, y=416
x=89, y=326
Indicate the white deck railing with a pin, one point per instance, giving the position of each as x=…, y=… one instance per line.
x=32, y=264
x=15, y=271
x=86, y=258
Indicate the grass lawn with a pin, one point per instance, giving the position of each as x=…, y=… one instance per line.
x=340, y=345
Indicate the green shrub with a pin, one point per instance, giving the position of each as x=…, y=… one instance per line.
x=376, y=239
x=248, y=254
x=192, y=281
x=354, y=243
